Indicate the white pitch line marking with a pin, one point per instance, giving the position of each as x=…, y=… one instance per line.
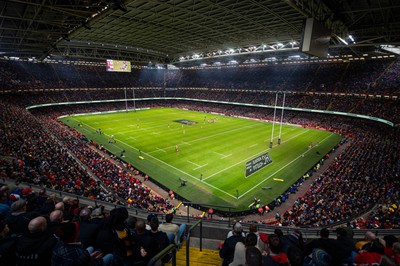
x=161, y=150
x=201, y=166
x=283, y=167
x=252, y=146
x=245, y=160
x=194, y=163
x=219, y=153
x=223, y=156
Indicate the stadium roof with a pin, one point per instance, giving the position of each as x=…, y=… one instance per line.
x=167, y=31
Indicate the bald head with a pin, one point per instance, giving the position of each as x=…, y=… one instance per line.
x=369, y=236
x=85, y=213
x=56, y=216
x=59, y=206
x=66, y=199
x=4, y=188
x=37, y=225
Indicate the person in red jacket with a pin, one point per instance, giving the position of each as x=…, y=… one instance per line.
x=371, y=256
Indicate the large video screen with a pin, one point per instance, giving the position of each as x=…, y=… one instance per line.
x=118, y=66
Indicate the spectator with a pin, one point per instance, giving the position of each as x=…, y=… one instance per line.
x=8, y=245
x=396, y=252
x=253, y=257
x=35, y=247
x=231, y=233
x=70, y=252
x=239, y=257
x=175, y=232
x=276, y=253
x=88, y=230
x=323, y=242
x=125, y=246
x=19, y=219
x=318, y=258
x=389, y=241
x=372, y=255
x=147, y=241
x=56, y=222
x=227, y=250
x=342, y=247
x=365, y=244
x=131, y=224
x=161, y=237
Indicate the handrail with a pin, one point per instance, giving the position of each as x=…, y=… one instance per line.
x=210, y=205
x=188, y=239
x=313, y=232
x=163, y=253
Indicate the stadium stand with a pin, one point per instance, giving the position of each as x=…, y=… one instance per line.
x=38, y=149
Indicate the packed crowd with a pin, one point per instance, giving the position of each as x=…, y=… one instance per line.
x=386, y=108
x=346, y=175
x=258, y=248
x=364, y=175
x=369, y=76
x=37, y=229
x=39, y=150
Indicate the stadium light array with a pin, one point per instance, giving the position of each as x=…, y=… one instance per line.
x=251, y=49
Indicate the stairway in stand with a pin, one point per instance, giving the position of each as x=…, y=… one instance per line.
x=206, y=257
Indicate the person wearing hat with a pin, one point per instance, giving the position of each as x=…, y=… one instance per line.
x=227, y=250
x=230, y=233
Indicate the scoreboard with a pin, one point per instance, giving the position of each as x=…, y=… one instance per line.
x=118, y=66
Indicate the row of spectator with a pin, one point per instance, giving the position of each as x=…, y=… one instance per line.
x=43, y=152
x=371, y=158
x=386, y=108
x=258, y=248
x=38, y=229
x=349, y=173
x=370, y=76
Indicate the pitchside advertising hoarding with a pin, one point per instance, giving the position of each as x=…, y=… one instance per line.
x=257, y=163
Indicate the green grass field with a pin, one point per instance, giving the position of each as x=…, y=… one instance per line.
x=212, y=155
